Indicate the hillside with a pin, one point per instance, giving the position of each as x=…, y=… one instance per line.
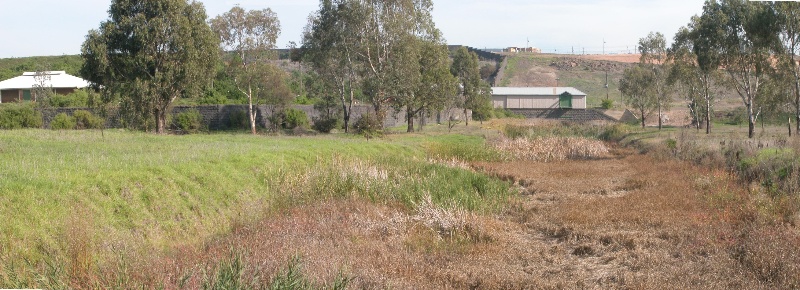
x=12, y=67
x=588, y=74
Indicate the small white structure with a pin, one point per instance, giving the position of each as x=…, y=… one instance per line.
x=538, y=98
x=18, y=89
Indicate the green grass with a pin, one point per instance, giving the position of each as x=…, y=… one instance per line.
x=138, y=190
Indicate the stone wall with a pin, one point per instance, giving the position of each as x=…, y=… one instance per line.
x=574, y=115
x=218, y=117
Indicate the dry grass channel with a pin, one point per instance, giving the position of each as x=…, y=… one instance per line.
x=623, y=221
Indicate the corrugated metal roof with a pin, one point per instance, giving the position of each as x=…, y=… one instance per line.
x=535, y=91
x=58, y=79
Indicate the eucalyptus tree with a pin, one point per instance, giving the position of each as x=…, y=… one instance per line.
x=148, y=54
x=653, y=50
x=250, y=36
x=693, y=73
x=384, y=30
x=329, y=48
x=789, y=30
x=744, y=34
x=431, y=86
x=637, y=90
x=474, y=91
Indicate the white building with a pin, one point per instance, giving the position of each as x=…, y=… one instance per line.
x=538, y=98
x=19, y=89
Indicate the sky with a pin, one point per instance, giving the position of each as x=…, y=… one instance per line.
x=59, y=27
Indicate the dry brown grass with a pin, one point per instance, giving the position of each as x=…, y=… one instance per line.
x=626, y=221
x=547, y=149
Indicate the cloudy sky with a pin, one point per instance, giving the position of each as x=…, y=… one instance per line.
x=57, y=27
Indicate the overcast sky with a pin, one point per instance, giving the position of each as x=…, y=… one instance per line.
x=57, y=27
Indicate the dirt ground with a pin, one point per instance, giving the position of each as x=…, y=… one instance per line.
x=622, y=221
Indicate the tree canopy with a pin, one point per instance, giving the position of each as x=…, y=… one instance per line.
x=148, y=54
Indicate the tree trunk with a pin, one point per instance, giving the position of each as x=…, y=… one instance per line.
x=466, y=121
x=659, y=117
x=410, y=119
x=161, y=121
x=251, y=112
x=642, y=116
x=708, y=115
x=751, y=122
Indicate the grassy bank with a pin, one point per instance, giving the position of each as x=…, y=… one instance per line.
x=74, y=201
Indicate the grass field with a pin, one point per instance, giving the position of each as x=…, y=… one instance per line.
x=503, y=204
x=147, y=192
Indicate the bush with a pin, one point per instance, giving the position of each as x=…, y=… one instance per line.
x=78, y=98
x=326, y=125
x=62, y=121
x=516, y=131
x=13, y=116
x=607, y=104
x=239, y=119
x=86, y=120
x=614, y=132
x=294, y=118
x=368, y=126
x=188, y=121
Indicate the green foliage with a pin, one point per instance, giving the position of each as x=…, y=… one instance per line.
x=142, y=183
x=13, y=67
x=169, y=50
x=295, y=118
x=501, y=113
x=189, y=121
x=638, y=90
x=607, y=104
x=78, y=98
x=62, y=121
x=239, y=119
x=516, y=131
x=18, y=116
x=291, y=277
x=326, y=125
x=368, y=126
x=86, y=120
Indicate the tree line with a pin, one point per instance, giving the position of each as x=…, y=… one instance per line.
x=388, y=53
x=750, y=47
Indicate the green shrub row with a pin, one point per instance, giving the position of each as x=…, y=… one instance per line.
x=18, y=116
x=80, y=120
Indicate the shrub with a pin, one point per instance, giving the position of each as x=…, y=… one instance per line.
x=15, y=116
x=614, y=132
x=188, y=121
x=78, y=98
x=516, y=131
x=239, y=119
x=294, y=118
x=62, y=121
x=368, y=126
x=326, y=125
x=86, y=120
x=607, y=104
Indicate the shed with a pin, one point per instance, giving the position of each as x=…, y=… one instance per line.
x=538, y=98
x=18, y=89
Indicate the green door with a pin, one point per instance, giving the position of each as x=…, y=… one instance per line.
x=565, y=101
x=26, y=95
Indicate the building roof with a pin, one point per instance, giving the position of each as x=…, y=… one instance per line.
x=58, y=79
x=535, y=91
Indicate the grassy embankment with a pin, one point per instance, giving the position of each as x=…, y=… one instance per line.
x=75, y=202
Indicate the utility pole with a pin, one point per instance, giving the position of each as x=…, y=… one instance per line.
x=604, y=46
x=606, y=84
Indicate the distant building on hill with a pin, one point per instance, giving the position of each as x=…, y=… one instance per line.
x=20, y=89
x=522, y=49
x=538, y=98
